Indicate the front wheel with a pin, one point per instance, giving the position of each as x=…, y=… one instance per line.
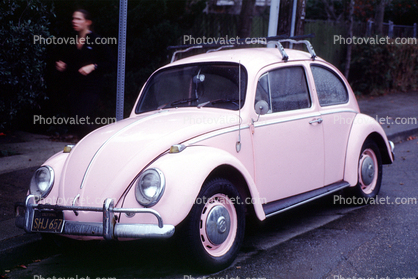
x=215, y=225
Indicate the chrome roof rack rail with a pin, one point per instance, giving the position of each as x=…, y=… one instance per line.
x=242, y=42
x=219, y=48
x=280, y=47
x=306, y=42
x=173, y=58
x=285, y=56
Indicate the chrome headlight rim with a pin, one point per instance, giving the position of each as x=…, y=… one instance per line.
x=141, y=197
x=34, y=186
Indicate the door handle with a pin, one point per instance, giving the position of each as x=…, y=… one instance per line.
x=317, y=120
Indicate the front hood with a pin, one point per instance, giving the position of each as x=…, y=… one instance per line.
x=106, y=161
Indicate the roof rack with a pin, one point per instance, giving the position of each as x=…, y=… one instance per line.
x=283, y=52
x=173, y=58
x=277, y=40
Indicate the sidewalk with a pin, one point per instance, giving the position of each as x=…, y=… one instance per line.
x=31, y=151
x=397, y=113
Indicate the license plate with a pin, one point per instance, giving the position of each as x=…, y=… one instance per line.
x=48, y=221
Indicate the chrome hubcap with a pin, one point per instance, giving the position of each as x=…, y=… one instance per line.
x=218, y=225
x=367, y=170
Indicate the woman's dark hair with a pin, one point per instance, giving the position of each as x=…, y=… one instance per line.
x=86, y=15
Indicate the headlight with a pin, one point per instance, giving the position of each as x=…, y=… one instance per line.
x=149, y=187
x=42, y=181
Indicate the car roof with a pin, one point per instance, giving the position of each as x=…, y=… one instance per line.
x=249, y=57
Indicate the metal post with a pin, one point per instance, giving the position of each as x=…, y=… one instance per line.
x=274, y=18
x=369, y=28
x=292, y=27
x=120, y=88
x=390, y=32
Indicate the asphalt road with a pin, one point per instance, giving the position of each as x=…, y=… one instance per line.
x=326, y=239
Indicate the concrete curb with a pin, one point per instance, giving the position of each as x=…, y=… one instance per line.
x=402, y=136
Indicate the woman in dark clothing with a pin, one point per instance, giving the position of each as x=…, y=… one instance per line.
x=85, y=63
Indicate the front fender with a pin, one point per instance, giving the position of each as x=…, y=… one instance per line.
x=364, y=127
x=185, y=173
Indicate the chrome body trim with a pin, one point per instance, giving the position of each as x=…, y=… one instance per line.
x=108, y=229
x=264, y=122
x=215, y=134
x=338, y=110
x=277, y=120
x=285, y=204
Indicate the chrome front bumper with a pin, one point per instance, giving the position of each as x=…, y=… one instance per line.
x=109, y=228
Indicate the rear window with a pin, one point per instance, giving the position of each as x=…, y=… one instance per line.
x=330, y=88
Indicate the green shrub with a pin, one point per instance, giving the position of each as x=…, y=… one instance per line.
x=382, y=68
x=22, y=62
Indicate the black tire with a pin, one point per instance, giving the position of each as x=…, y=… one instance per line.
x=369, y=172
x=218, y=207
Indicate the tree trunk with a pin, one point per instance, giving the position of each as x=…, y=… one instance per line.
x=300, y=18
x=246, y=18
x=350, y=34
x=285, y=18
x=379, y=16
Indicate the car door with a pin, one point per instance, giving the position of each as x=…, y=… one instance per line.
x=288, y=140
x=337, y=116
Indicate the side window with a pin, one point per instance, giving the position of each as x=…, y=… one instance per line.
x=331, y=90
x=263, y=90
x=284, y=89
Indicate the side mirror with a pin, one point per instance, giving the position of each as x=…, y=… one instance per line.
x=199, y=78
x=261, y=107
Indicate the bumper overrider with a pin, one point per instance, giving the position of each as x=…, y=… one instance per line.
x=109, y=229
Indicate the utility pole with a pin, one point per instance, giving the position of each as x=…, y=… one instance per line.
x=120, y=88
x=292, y=27
x=274, y=17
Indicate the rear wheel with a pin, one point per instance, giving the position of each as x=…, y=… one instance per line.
x=215, y=225
x=369, y=172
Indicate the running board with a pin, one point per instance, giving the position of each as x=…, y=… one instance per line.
x=280, y=206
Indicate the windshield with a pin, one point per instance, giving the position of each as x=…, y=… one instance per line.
x=195, y=85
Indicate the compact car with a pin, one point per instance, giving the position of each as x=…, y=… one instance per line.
x=213, y=139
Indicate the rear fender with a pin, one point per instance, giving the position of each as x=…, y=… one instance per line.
x=364, y=127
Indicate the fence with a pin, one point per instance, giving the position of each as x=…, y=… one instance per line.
x=224, y=24
x=335, y=53
x=393, y=31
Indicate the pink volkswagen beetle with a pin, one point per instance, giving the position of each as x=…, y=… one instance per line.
x=211, y=139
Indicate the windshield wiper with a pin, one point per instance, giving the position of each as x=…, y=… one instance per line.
x=218, y=101
x=178, y=102
x=183, y=101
